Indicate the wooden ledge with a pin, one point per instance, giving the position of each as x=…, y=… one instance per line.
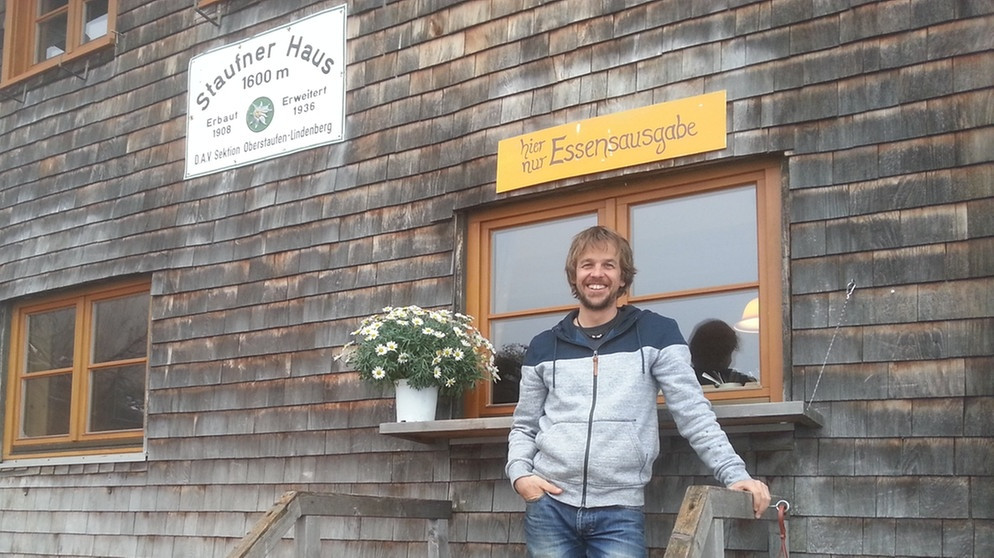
x=733, y=417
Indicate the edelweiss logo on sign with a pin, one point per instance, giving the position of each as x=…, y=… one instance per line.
x=260, y=113
x=269, y=95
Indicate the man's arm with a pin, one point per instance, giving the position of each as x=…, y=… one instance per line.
x=521, y=447
x=695, y=420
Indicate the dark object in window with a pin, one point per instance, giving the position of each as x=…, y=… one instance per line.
x=711, y=346
x=508, y=360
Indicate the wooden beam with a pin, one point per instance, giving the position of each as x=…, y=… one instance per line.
x=270, y=529
x=693, y=523
x=301, y=507
x=703, y=508
x=314, y=503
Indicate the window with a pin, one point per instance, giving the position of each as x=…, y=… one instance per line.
x=706, y=245
x=41, y=34
x=3, y=28
x=77, y=374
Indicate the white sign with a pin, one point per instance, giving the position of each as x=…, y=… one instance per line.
x=269, y=95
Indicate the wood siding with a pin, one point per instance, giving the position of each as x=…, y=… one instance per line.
x=880, y=112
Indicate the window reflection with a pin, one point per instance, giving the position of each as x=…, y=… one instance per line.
x=528, y=264
x=117, y=400
x=3, y=32
x=120, y=328
x=94, y=20
x=693, y=242
x=712, y=348
x=51, y=37
x=691, y=312
x=46, y=406
x=50, y=340
x=45, y=6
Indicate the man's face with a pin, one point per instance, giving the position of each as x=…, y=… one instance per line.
x=598, y=277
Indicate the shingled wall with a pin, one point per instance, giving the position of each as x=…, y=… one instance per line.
x=880, y=112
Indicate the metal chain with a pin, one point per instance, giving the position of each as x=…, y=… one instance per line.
x=842, y=318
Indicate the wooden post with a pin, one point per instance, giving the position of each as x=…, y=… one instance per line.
x=438, y=538
x=307, y=537
x=714, y=547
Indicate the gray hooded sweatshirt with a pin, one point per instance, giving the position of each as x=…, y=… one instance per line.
x=587, y=417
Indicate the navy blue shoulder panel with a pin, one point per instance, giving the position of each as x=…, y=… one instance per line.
x=548, y=346
x=649, y=330
x=645, y=329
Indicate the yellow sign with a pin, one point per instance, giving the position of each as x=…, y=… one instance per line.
x=653, y=133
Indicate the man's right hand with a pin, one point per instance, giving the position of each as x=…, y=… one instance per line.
x=533, y=487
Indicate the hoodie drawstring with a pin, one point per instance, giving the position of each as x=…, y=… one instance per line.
x=555, y=358
x=638, y=336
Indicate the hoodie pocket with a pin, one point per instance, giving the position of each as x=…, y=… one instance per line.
x=560, y=451
x=616, y=459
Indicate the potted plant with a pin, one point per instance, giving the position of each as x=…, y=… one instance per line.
x=427, y=352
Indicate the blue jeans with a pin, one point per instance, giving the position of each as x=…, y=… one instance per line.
x=556, y=530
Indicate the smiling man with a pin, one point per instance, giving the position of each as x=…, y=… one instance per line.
x=586, y=427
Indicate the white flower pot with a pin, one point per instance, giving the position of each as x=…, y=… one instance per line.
x=415, y=404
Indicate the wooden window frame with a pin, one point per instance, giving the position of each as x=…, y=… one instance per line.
x=611, y=203
x=78, y=442
x=21, y=33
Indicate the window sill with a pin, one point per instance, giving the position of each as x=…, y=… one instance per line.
x=73, y=460
x=734, y=418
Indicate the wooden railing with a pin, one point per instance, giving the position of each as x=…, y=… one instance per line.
x=698, y=532
x=301, y=509
x=699, y=529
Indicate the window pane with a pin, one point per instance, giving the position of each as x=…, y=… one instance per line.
x=50, y=340
x=46, y=405
x=3, y=40
x=94, y=20
x=120, y=328
x=528, y=264
x=51, y=37
x=511, y=338
x=45, y=6
x=117, y=400
x=691, y=312
x=695, y=241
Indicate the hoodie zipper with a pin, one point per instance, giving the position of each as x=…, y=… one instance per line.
x=590, y=430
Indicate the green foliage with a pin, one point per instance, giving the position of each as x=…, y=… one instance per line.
x=425, y=347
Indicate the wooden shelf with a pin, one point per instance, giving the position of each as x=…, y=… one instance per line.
x=733, y=417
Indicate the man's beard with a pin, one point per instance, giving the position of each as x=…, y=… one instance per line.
x=607, y=302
